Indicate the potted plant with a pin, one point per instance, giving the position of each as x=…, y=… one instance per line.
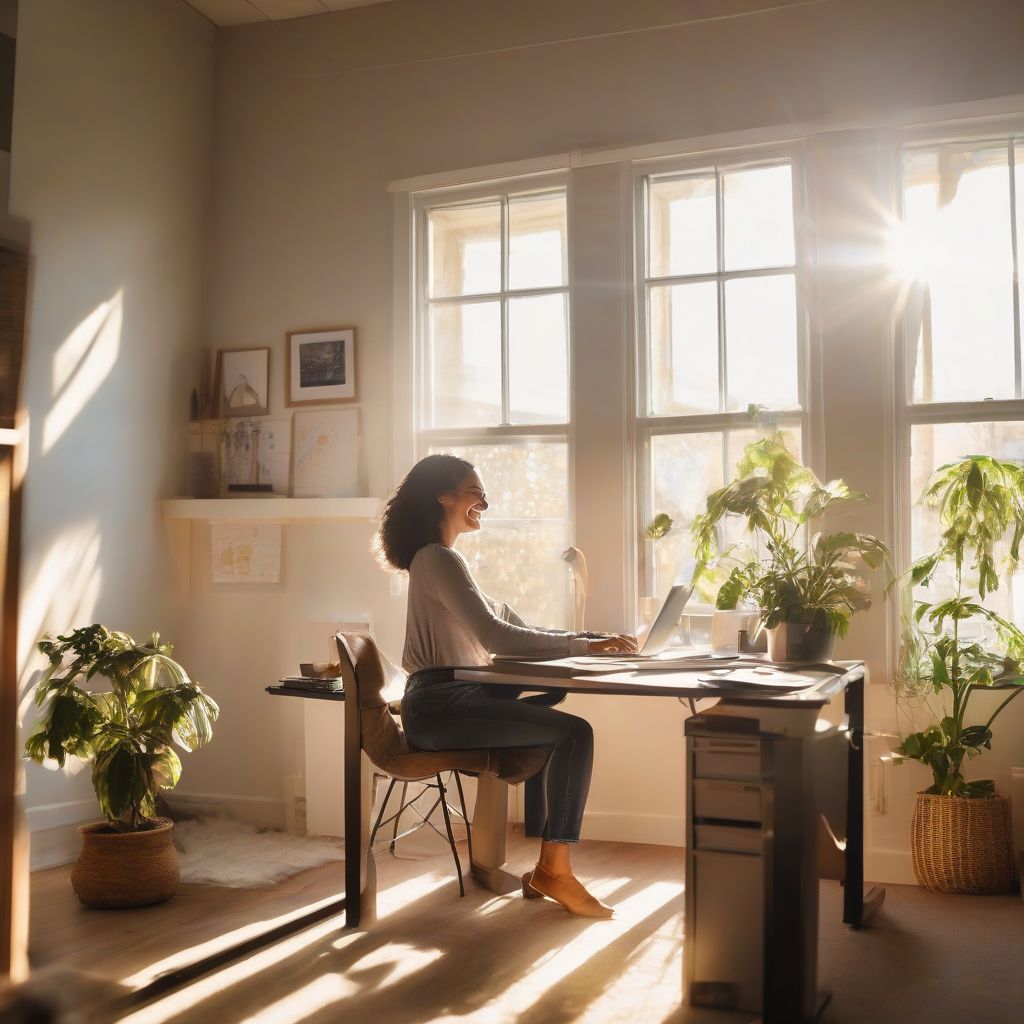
x=950, y=648
x=128, y=733
x=806, y=585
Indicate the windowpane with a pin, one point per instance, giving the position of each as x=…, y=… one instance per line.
x=516, y=555
x=682, y=235
x=758, y=217
x=685, y=468
x=683, y=328
x=761, y=342
x=465, y=348
x=537, y=253
x=1018, y=189
x=955, y=244
x=537, y=359
x=934, y=445
x=465, y=249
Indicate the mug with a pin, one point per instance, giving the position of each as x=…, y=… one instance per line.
x=725, y=625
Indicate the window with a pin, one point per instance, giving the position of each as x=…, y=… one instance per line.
x=493, y=330
x=956, y=251
x=721, y=329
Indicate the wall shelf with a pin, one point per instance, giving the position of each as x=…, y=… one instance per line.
x=274, y=510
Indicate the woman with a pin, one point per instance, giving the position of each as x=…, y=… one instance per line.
x=452, y=623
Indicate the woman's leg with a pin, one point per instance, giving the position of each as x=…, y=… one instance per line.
x=465, y=716
x=458, y=716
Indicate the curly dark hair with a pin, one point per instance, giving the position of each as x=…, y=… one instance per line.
x=412, y=517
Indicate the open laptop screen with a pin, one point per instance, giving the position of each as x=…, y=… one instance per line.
x=670, y=613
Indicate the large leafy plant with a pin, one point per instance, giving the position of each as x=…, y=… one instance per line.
x=128, y=732
x=791, y=573
x=954, y=646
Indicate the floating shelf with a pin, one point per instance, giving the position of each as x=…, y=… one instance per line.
x=275, y=510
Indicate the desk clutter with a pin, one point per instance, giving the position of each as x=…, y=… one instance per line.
x=321, y=676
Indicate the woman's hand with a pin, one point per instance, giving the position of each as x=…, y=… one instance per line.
x=614, y=643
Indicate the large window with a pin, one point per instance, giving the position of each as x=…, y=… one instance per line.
x=957, y=252
x=493, y=345
x=721, y=329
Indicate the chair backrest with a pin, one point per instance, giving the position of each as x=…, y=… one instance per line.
x=365, y=674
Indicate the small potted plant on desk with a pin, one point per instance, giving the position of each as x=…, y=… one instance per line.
x=807, y=586
x=129, y=859
x=951, y=648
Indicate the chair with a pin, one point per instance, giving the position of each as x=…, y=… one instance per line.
x=366, y=674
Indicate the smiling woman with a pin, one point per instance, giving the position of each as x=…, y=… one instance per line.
x=451, y=622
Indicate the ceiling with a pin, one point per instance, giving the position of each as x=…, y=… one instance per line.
x=245, y=12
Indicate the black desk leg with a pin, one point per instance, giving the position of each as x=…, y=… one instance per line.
x=858, y=906
x=353, y=814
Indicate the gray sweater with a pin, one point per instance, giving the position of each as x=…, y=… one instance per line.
x=452, y=622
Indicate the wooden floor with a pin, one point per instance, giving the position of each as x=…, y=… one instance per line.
x=433, y=957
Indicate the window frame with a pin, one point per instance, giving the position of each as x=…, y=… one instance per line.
x=511, y=434
x=648, y=425
x=910, y=414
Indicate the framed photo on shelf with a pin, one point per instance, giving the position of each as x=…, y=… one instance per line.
x=243, y=382
x=321, y=366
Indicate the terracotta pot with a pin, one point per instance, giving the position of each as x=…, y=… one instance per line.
x=126, y=869
x=962, y=845
x=795, y=641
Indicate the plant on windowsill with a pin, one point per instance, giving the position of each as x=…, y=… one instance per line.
x=950, y=648
x=128, y=733
x=806, y=586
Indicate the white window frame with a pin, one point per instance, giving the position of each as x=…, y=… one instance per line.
x=648, y=425
x=511, y=434
x=909, y=413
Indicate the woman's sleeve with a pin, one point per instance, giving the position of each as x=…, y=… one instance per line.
x=455, y=588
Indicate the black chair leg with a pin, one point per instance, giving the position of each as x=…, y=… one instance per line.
x=451, y=835
x=383, y=808
x=401, y=807
x=465, y=817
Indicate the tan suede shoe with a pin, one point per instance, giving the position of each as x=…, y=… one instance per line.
x=529, y=893
x=567, y=890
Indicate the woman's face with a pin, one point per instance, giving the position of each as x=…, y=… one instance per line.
x=462, y=508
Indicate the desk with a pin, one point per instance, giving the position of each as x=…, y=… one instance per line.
x=490, y=820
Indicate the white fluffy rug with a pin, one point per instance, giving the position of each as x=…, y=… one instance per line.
x=229, y=853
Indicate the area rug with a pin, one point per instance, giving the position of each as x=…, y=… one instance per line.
x=229, y=853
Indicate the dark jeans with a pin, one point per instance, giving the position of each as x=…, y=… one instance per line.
x=441, y=713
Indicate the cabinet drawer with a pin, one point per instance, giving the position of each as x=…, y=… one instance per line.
x=727, y=759
x=724, y=798
x=728, y=840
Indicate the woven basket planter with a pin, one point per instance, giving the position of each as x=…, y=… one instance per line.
x=126, y=869
x=963, y=846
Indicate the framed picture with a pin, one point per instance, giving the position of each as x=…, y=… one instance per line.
x=321, y=366
x=243, y=382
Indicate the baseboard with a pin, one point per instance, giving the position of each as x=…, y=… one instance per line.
x=655, y=829
x=263, y=812
x=53, y=830
x=893, y=866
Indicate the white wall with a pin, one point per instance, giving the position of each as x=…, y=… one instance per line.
x=111, y=161
x=314, y=117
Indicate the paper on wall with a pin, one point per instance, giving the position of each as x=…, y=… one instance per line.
x=326, y=454
x=246, y=554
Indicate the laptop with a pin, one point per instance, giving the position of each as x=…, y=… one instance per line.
x=661, y=629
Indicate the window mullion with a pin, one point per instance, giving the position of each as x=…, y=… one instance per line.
x=723, y=369
x=506, y=415
x=1015, y=253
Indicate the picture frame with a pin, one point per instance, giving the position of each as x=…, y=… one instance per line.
x=320, y=366
x=242, y=382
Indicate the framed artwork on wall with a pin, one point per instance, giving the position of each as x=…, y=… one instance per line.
x=243, y=382
x=321, y=366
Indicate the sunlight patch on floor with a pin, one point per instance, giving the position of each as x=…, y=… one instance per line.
x=296, y=1006
x=171, y=1007
x=559, y=963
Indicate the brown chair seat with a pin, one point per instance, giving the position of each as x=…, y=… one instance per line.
x=366, y=674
